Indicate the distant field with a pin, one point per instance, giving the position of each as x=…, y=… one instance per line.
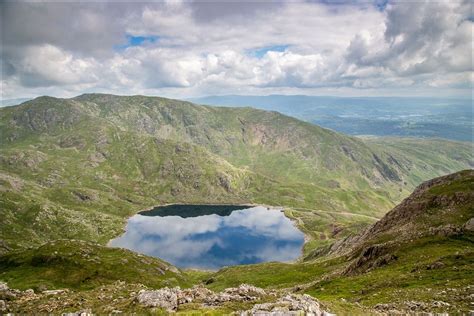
x=414, y=117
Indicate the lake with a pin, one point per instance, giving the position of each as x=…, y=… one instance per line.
x=212, y=236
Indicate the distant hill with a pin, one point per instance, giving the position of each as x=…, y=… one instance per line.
x=380, y=116
x=87, y=163
x=11, y=102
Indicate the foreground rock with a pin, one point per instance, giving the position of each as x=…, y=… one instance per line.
x=164, y=298
x=290, y=304
x=245, y=300
x=170, y=298
x=265, y=302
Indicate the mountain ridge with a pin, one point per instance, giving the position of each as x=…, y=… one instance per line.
x=448, y=118
x=138, y=152
x=73, y=170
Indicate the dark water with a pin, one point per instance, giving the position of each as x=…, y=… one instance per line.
x=210, y=236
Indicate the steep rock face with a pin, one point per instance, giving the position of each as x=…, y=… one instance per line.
x=442, y=206
x=422, y=200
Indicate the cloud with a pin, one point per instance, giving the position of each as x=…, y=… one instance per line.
x=196, y=48
x=47, y=65
x=87, y=28
x=420, y=38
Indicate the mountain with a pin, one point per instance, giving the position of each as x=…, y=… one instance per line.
x=77, y=168
x=417, y=259
x=382, y=116
x=439, y=207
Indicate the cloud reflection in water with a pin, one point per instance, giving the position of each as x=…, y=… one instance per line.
x=246, y=236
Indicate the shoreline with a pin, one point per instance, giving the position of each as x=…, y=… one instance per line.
x=294, y=221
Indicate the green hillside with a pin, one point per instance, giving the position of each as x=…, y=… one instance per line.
x=77, y=168
x=420, y=251
x=417, y=259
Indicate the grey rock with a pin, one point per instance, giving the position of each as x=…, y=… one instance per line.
x=290, y=304
x=195, y=293
x=469, y=225
x=440, y=304
x=242, y=293
x=54, y=292
x=86, y=312
x=165, y=298
x=29, y=292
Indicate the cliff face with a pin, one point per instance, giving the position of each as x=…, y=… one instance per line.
x=442, y=207
x=436, y=200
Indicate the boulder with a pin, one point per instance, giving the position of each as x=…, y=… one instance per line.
x=242, y=293
x=165, y=298
x=469, y=225
x=195, y=293
x=290, y=304
x=6, y=293
x=245, y=289
x=29, y=293
x=86, y=312
x=54, y=292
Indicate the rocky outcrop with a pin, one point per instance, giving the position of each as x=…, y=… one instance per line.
x=469, y=225
x=385, y=170
x=370, y=258
x=170, y=298
x=165, y=298
x=409, y=219
x=239, y=294
x=412, y=308
x=290, y=304
x=84, y=196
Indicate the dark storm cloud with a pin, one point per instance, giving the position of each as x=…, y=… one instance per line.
x=82, y=27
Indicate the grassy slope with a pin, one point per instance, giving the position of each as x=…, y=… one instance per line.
x=82, y=265
x=410, y=277
x=88, y=163
x=88, y=172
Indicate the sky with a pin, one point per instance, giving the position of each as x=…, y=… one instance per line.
x=187, y=49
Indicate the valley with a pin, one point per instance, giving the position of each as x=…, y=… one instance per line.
x=72, y=171
x=244, y=158
x=423, y=246
x=421, y=117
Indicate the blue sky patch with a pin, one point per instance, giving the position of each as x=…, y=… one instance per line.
x=260, y=52
x=381, y=4
x=137, y=41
